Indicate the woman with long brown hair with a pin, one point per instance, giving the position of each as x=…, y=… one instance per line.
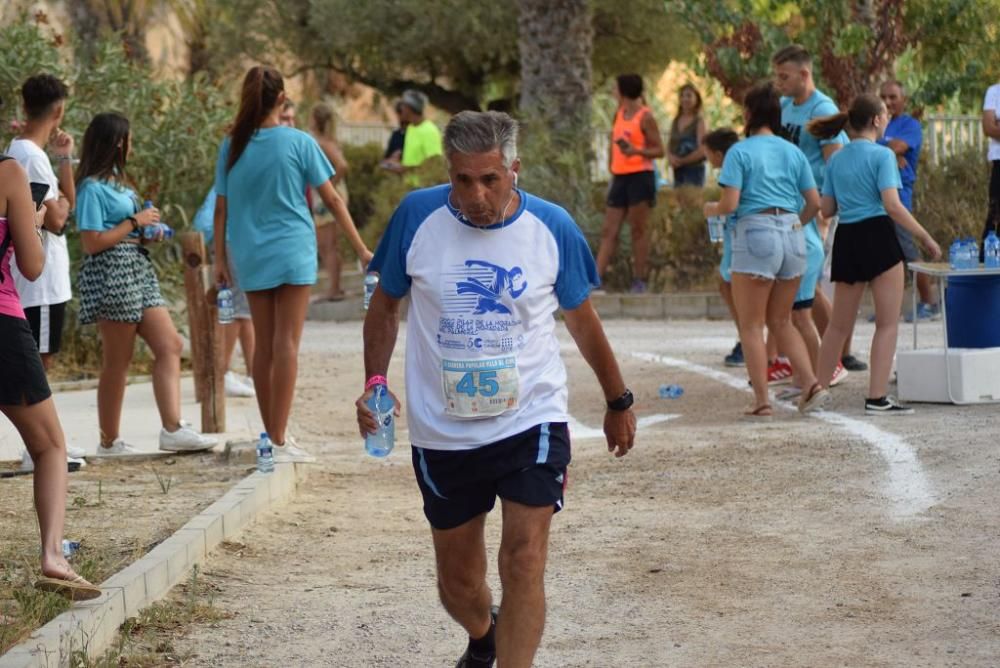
x=119, y=290
x=685, y=152
x=862, y=186
x=263, y=220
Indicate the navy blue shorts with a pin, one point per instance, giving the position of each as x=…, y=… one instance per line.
x=527, y=468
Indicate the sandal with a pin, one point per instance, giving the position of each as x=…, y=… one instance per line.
x=74, y=588
x=813, y=400
x=764, y=412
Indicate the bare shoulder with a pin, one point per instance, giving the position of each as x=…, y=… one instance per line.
x=11, y=174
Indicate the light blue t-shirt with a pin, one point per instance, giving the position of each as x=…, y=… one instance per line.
x=269, y=230
x=769, y=172
x=795, y=118
x=483, y=298
x=102, y=205
x=856, y=177
x=204, y=217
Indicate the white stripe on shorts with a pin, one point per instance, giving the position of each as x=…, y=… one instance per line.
x=44, y=329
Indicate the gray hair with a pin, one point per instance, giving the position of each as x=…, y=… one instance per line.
x=482, y=132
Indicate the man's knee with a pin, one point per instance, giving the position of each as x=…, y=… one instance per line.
x=459, y=584
x=522, y=563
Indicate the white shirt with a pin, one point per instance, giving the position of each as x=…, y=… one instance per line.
x=992, y=103
x=53, y=286
x=481, y=297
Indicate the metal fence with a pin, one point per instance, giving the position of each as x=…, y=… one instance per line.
x=944, y=136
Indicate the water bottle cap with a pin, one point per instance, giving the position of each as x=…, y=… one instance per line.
x=263, y=434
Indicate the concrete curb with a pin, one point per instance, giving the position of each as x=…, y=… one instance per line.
x=92, y=626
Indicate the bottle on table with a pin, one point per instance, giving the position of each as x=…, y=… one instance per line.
x=991, y=251
x=265, y=454
x=380, y=443
x=955, y=259
x=224, y=302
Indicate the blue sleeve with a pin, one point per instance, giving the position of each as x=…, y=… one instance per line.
x=911, y=133
x=318, y=169
x=732, y=171
x=577, y=274
x=89, y=207
x=829, y=178
x=390, y=255
x=887, y=170
x=221, y=173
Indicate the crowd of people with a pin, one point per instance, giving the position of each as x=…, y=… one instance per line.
x=809, y=189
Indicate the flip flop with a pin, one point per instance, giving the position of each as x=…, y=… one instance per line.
x=75, y=588
x=814, y=400
x=761, y=413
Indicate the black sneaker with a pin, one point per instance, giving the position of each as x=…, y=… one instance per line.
x=886, y=406
x=471, y=660
x=735, y=358
x=852, y=363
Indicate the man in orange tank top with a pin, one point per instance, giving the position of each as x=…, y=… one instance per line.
x=635, y=142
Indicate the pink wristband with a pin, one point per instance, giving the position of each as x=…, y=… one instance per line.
x=376, y=380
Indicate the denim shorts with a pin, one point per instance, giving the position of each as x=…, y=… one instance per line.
x=769, y=246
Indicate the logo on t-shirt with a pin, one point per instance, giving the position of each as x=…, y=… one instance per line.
x=484, y=286
x=792, y=132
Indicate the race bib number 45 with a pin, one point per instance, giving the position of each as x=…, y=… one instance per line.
x=480, y=388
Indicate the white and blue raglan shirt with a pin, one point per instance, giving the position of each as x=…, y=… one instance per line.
x=482, y=357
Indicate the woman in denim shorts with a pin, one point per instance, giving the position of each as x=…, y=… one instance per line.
x=764, y=180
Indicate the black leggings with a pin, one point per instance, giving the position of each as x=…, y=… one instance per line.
x=993, y=213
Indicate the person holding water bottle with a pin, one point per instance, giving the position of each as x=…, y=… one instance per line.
x=119, y=290
x=862, y=186
x=486, y=267
x=263, y=224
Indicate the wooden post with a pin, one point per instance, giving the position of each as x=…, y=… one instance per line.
x=207, y=347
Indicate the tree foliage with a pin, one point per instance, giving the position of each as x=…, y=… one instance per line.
x=462, y=55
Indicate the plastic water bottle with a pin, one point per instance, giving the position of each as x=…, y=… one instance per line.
x=381, y=404
x=972, y=254
x=716, y=228
x=371, y=282
x=955, y=252
x=670, y=391
x=991, y=251
x=150, y=231
x=265, y=454
x=224, y=301
x=69, y=548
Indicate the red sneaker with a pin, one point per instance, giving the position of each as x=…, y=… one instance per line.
x=839, y=375
x=779, y=372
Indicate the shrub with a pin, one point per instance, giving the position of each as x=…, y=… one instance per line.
x=951, y=197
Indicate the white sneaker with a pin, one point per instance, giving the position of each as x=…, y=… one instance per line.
x=291, y=453
x=235, y=387
x=185, y=439
x=28, y=464
x=118, y=448
x=74, y=452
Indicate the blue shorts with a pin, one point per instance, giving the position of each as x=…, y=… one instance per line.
x=815, y=257
x=727, y=251
x=527, y=468
x=769, y=246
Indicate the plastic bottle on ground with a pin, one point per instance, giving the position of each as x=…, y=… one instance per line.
x=670, y=391
x=265, y=454
x=380, y=443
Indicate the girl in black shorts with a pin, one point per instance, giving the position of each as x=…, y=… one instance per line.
x=862, y=186
x=24, y=393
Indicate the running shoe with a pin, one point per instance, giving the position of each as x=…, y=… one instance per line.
x=735, y=358
x=118, y=448
x=472, y=660
x=291, y=453
x=925, y=312
x=852, y=363
x=886, y=406
x=779, y=372
x=236, y=387
x=839, y=375
x=185, y=439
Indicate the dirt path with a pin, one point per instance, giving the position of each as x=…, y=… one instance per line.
x=717, y=543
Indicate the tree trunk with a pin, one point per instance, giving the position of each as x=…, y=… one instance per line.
x=555, y=43
x=95, y=19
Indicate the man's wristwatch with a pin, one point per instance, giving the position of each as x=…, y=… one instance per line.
x=622, y=403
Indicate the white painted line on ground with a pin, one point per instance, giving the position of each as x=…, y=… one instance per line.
x=907, y=484
x=578, y=430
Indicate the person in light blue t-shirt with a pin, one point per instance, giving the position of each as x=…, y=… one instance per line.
x=862, y=185
x=765, y=179
x=263, y=220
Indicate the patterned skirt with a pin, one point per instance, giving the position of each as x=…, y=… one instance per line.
x=118, y=284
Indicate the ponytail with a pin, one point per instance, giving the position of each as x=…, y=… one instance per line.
x=261, y=88
x=827, y=127
x=863, y=111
